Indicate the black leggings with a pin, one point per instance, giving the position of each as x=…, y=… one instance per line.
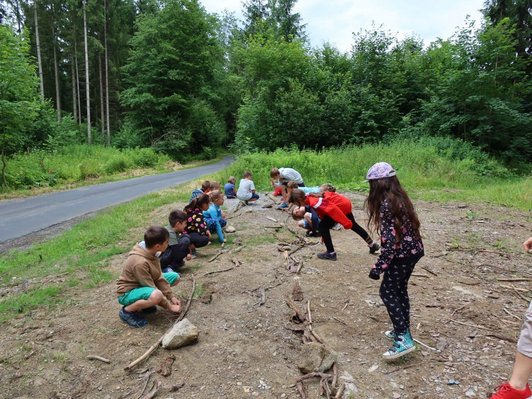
x=198, y=240
x=325, y=229
x=394, y=292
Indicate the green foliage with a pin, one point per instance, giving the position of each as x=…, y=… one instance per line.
x=76, y=163
x=429, y=167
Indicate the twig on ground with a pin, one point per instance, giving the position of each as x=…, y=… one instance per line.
x=220, y=252
x=313, y=375
x=101, y=359
x=502, y=337
x=521, y=295
x=147, y=379
x=420, y=275
x=272, y=219
x=429, y=271
x=425, y=345
x=218, y=271
x=340, y=392
x=153, y=391
x=511, y=314
x=340, y=321
x=515, y=280
x=154, y=347
x=470, y=325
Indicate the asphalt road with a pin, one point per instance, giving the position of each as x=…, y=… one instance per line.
x=23, y=216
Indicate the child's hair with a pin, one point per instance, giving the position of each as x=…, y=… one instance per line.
x=297, y=196
x=294, y=213
x=247, y=174
x=215, y=195
x=206, y=185
x=155, y=235
x=231, y=179
x=292, y=184
x=274, y=172
x=215, y=186
x=401, y=207
x=198, y=202
x=176, y=216
x=328, y=187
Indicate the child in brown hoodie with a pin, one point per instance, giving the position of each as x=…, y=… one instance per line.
x=142, y=285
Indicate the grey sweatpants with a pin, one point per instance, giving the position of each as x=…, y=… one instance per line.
x=524, y=345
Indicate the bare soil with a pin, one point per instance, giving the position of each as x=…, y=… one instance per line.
x=460, y=309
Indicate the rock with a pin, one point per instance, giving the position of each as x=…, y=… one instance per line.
x=470, y=393
x=297, y=292
x=316, y=357
x=182, y=334
x=373, y=368
x=229, y=229
x=396, y=395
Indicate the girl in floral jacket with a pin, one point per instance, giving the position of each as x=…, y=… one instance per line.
x=196, y=226
x=392, y=213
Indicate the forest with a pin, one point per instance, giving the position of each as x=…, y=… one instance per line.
x=167, y=75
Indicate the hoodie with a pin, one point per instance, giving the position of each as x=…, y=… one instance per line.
x=142, y=269
x=334, y=205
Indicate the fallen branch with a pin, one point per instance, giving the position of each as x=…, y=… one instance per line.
x=154, y=347
x=101, y=359
x=426, y=346
x=218, y=271
x=518, y=279
x=511, y=314
x=220, y=252
x=470, y=325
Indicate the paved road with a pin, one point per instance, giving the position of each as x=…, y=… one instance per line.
x=23, y=216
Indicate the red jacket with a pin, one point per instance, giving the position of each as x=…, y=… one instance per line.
x=334, y=205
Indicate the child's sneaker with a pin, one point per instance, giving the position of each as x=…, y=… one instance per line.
x=506, y=391
x=402, y=344
x=132, y=318
x=327, y=255
x=374, y=248
x=283, y=205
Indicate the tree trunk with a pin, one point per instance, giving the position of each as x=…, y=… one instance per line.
x=77, y=81
x=19, y=18
x=74, y=95
x=87, y=90
x=106, y=58
x=38, y=44
x=102, y=112
x=4, y=165
x=56, y=74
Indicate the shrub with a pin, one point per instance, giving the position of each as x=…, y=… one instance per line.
x=89, y=169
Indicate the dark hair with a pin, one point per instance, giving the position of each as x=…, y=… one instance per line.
x=198, y=202
x=297, y=196
x=274, y=172
x=215, y=185
x=206, y=185
x=401, y=207
x=176, y=216
x=247, y=173
x=155, y=235
x=292, y=184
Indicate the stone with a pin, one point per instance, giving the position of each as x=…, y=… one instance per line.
x=229, y=229
x=316, y=357
x=182, y=334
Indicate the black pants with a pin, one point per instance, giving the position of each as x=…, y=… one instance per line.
x=174, y=254
x=325, y=229
x=394, y=292
x=198, y=240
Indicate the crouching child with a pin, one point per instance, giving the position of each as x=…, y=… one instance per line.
x=179, y=244
x=142, y=285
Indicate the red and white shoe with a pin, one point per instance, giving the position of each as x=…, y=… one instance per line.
x=506, y=391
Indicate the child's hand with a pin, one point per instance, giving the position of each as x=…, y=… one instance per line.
x=527, y=245
x=175, y=305
x=189, y=256
x=374, y=274
x=209, y=234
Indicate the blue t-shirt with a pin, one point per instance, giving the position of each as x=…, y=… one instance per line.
x=229, y=189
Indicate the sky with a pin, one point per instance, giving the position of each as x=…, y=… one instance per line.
x=334, y=21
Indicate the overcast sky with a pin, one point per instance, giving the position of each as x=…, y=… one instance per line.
x=334, y=21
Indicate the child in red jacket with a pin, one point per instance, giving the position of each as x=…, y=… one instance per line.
x=332, y=208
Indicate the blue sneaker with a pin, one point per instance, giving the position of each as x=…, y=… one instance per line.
x=283, y=205
x=402, y=344
x=132, y=318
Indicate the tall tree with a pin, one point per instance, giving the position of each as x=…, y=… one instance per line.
x=38, y=48
x=87, y=85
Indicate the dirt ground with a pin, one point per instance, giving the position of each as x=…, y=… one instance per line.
x=466, y=316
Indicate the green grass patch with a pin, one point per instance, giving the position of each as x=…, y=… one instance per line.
x=28, y=301
x=430, y=168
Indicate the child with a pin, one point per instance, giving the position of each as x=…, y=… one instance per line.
x=205, y=189
x=142, y=285
x=246, y=189
x=332, y=208
x=214, y=216
x=196, y=227
x=291, y=185
x=308, y=219
x=229, y=188
x=391, y=212
x=179, y=243
x=517, y=387
x=284, y=175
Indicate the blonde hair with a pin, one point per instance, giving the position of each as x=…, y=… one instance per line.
x=215, y=195
x=327, y=187
x=231, y=179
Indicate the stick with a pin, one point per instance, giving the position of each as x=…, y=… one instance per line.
x=340, y=392
x=218, y=271
x=313, y=375
x=145, y=384
x=272, y=219
x=419, y=275
x=521, y=295
x=335, y=375
x=511, y=314
x=216, y=256
x=515, y=279
x=154, y=347
x=470, y=325
x=153, y=391
x=309, y=315
x=301, y=390
x=425, y=345
x=101, y=359
x=509, y=287
x=428, y=270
